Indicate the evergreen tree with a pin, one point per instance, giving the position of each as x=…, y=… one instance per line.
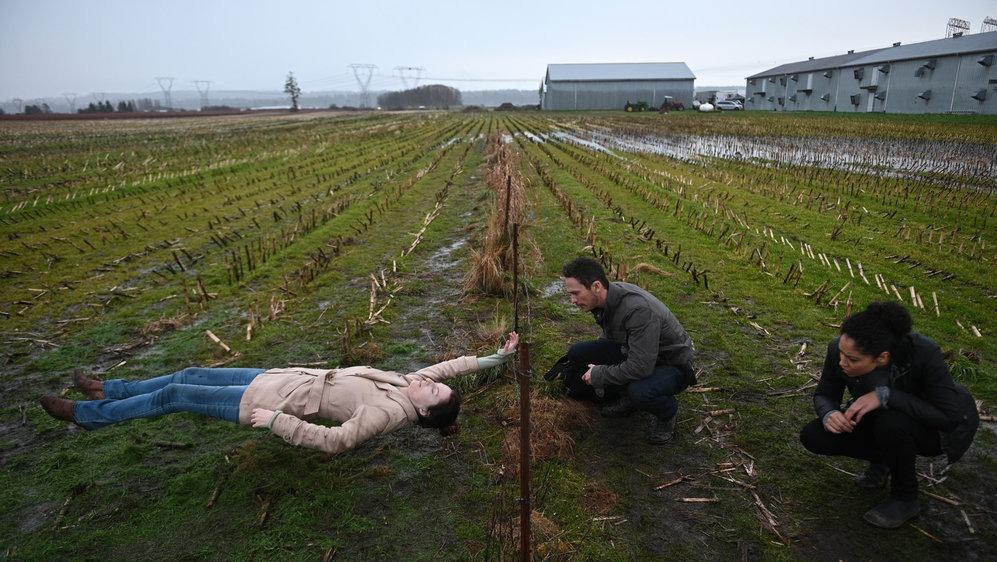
x=291, y=88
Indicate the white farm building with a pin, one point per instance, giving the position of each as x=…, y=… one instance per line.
x=953, y=75
x=612, y=85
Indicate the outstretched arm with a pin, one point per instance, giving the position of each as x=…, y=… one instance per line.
x=467, y=364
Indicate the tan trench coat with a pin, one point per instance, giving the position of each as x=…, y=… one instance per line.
x=366, y=401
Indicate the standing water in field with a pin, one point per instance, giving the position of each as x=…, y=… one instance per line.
x=935, y=160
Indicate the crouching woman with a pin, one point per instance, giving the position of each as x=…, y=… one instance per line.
x=367, y=402
x=904, y=403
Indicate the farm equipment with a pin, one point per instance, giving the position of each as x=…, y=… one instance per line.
x=671, y=104
x=639, y=106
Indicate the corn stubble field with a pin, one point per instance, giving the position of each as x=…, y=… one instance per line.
x=136, y=248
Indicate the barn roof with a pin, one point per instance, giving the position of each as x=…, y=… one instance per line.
x=619, y=71
x=814, y=64
x=973, y=43
x=976, y=42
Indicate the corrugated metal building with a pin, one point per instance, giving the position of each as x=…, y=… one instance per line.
x=956, y=74
x=612, y=85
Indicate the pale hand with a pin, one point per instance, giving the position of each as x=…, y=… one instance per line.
x=587, y=377
x=838, y=423
x=865, y=404
x=261, y=417
x=511, y=343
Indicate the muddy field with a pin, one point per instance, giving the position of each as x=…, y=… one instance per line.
x=341, y=239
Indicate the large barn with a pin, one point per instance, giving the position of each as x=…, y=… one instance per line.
x=612, y=85
x=952, y=75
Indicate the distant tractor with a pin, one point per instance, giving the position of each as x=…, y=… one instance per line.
x=671, y=104
x=639, y=106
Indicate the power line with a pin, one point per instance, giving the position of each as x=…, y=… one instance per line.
x=203, y=86
x=364, y=83
x=166, y=85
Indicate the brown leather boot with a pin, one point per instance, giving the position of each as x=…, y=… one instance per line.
x=58, y=408
x=93, y=388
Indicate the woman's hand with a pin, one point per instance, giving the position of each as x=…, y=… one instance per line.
x=838, y=423
x=261, y=417
x=865, y=404
x=510, y=344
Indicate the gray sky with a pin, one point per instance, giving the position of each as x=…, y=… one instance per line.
x=52, y=46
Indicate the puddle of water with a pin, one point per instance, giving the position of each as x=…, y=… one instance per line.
x=561, y=135
x=932, y=160
x=443, y=259
x=555, y=288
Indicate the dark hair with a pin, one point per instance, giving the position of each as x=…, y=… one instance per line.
x=882, y=326
x=443, y=416
x=586, y=271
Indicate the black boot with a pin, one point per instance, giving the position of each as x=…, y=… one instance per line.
x=874, y=477
x=619, y=409
x=662, y=430
x=892, y=513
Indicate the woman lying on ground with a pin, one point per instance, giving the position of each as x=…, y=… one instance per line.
x=366, y=401
x=904, y=404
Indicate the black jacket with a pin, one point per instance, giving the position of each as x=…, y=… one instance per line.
x=648, y=334
x=920, y=386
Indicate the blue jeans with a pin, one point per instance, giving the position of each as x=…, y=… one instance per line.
x=654, y=393
x=211, y=392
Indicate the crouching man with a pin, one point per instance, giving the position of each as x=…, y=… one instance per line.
x=643, y=359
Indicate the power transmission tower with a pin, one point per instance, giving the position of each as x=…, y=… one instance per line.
x=956, y=25
x=989, y=24
x=168, y=81
x=19, y=103
x=71, y=100
x=99, y=97
x=364, y=83
x=202, y=88
x=402, y=70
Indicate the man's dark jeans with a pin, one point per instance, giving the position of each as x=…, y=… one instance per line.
x=886, y=436
x=654, y=394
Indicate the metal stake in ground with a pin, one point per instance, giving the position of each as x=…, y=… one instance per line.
x=523, y=376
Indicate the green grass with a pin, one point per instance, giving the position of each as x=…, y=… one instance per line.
x=141, y=489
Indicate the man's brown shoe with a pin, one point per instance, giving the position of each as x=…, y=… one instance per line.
x=93, y=388
x=58, y=408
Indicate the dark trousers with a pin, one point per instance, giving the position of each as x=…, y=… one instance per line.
x=654, y=393
x=886, y=436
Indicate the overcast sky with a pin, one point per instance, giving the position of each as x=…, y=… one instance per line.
x=48, y=47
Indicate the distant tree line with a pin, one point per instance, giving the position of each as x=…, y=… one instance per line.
x=37, y=109
x=433, y=95
x=124, y=106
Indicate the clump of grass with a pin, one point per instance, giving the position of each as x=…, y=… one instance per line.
x=165, y=324
x=491, y=263
x=599, y=499
x=551, y=424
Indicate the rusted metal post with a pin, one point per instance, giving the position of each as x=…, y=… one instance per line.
x=523, y=378
x=508, y=203
x=515, y=277
x=523, y=374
